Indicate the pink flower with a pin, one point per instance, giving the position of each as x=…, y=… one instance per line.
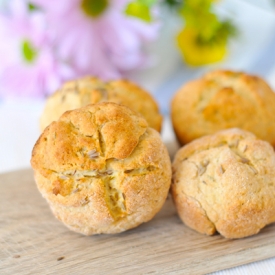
x=96, y=36
x=28, y=66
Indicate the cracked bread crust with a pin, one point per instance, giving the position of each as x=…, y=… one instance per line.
x=221, y=100
x=91, y=90
x=225, y=182
x=102, y=169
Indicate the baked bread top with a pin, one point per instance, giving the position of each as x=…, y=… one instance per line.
x=225, y=182
x=102, y=169
x=224, y=99
x=90, y=90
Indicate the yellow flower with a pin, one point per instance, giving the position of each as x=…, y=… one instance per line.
x=196, y=53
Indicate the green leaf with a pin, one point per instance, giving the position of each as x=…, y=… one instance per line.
x=198, y=15
x=28, y=51
x=32, y=7
x=140, y=10
x=148, y=3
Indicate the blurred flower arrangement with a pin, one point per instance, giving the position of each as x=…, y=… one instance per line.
x=46, y=44
x=204, y=38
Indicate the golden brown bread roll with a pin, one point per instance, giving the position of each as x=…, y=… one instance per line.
x=102, y=169
x=225, y=182
x=90, y=90
x=221, y=100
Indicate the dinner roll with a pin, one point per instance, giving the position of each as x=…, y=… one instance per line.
x=102, y=169
x=221, y=100
x=89, y=90
x=225, y=182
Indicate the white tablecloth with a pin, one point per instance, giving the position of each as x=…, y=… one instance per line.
x=253, y=51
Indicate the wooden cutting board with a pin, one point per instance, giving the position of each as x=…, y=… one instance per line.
x=32, y=241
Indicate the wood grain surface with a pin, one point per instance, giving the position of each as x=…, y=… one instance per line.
x=32, y=241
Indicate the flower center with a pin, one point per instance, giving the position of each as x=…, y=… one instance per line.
x=94, y=8
x=28, y=51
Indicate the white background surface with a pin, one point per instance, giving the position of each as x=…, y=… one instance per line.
x=253, y=51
